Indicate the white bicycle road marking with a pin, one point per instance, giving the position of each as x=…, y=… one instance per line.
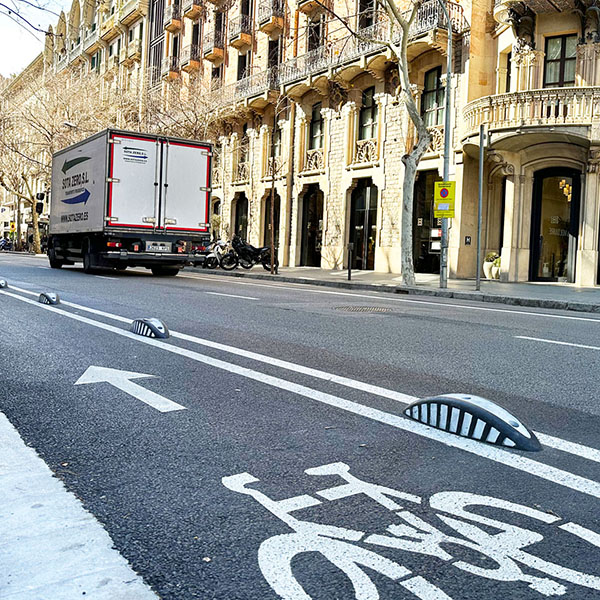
x=412, y=534
x=515, y=461
x=548, y=440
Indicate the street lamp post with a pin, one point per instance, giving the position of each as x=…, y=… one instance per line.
x=447, y=133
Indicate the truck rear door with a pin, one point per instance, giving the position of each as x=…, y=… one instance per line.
x=134, y=181
x=185, y=197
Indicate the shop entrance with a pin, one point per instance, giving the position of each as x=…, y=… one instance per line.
x=312, y=227
x=427, y=230
x=363, y=224
x=554, y=225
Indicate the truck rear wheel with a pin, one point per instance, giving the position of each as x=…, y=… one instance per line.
x=88, y=262
x=55, y=263
x=165, y=271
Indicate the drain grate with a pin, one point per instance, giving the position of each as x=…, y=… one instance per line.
x=364, y=309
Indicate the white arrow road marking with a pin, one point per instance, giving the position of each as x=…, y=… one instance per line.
x=121, y=380
x=547, y=440
x=521, y=463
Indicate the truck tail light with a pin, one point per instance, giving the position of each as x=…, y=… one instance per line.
x=114, y=244
x=136, y=247
x=199, y=248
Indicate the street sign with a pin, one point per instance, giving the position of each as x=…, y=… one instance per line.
x=443, y=199
x=13, y=227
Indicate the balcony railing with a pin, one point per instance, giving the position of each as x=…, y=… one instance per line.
x=251, y=86
x=191, y=8
x=190, y=57
x=242, y=172
x=242, y=24
x=213, y=40
x=172, y=17
x=365, y=152
x=62, y=62
x=551, y=106
x=335, y=53
x=134, y=50
x=314, y=160
x=90, y=39
x=131, y=10
x=169, y=66
x=267, y=9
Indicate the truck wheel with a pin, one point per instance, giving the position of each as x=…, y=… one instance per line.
x=120, y=267
x=165, y=271
x=88, y=265
x=55, y=263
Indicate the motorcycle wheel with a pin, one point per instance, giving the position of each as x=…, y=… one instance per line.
x=229, y=261
x=245, y=264
x=212, y=262
x=267, y=263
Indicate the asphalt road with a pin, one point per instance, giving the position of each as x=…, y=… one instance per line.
x=193, y=498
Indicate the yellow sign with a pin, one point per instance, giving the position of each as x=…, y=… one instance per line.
x=443, y=200
x=13, y=227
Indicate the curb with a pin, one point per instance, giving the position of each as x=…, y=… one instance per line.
x=421, y=291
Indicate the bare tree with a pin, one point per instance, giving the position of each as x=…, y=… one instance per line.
x=399, y=20
x=47, y=115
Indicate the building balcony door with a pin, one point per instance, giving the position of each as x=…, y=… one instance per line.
x=267, y=221
x=312, y=227
x=554, y=225
x=363, y=224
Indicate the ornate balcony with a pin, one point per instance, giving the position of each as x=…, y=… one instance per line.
x=191, y=9
x=213, y=47
x=109, y=29
x=91, y=42
x=307, y=6
x=270, y=15
x=366, y=152
x=314, y=160
x=110, y=68
x=170, y=67
x=62, y=63
x=134, y=50
x=190, y=58
x=558, y=111
x=172, y=18
x=132, y=10
x=242, y=172
x=240, y=31
x=123, y=58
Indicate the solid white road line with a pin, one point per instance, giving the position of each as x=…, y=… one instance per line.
x=559, y=343
x=554, y=442
x=51, y=546
x=515, y=461
x=231, y=296
x=106, y=277
x=388, y=298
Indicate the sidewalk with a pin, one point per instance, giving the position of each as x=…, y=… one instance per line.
x=542, y=295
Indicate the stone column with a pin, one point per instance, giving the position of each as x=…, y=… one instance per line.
x=586, y=269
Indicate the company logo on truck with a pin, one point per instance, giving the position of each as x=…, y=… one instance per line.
x=135, y=155
x=74, y=185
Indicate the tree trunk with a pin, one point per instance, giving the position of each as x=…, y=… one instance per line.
x=36, y=229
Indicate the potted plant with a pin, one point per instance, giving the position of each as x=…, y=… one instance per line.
x=488, y=263
x=496, y=268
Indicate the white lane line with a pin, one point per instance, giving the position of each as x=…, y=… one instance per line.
x=391, y=298
x=51, y=546
x=515, y=461
x=580, y=450
x=42, y=267
x=106, y=277
x=558, y=342
x=231, y=295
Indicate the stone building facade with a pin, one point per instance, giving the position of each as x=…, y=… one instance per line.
x=298, y=104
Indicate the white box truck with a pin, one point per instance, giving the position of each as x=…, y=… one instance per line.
x=121, y=199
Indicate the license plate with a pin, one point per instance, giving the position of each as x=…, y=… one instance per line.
x=158, y=246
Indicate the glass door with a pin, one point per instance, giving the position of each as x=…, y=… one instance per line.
x=363, y=224
x=554, y=225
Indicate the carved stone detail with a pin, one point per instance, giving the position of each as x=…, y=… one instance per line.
x=315, y=160
x=366, y=151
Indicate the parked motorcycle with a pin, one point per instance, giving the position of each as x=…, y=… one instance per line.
x=249, y=255
x=216, y=250
x=6, y=244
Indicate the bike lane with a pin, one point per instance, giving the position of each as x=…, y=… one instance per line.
x=218, y=499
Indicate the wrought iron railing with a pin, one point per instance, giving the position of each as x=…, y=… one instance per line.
x=191, y=52
x=172, y=13
x=268, y=9
x=212, y=40
x=240, y=24
x=169, y=64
